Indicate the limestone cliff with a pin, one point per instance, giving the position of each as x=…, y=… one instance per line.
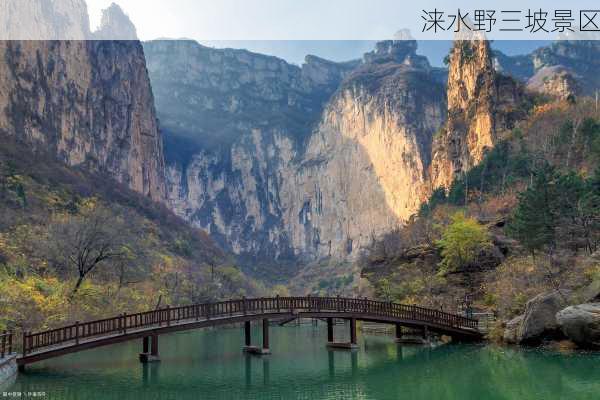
x=285, y=163
x=89, y=102
x=364, y=171
x=236, y=124
x=481, y=104
x=44, y=20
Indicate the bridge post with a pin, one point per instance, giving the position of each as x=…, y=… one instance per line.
x=154, y=349
x=24, y=343
x=352, y=345
x=265, y=334
x=258, y=350
x=247, y=334
x=398, y=333
x=145, y=344
x=151, y=355
x=352, y=331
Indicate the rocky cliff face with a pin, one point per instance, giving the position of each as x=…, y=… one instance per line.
x=44, y=20
x=236, y=122
x=481, y=103
x=281, y=162
x=90, y=102
x=364, y=171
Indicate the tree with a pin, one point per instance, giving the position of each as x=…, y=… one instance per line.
x=462, y=241
x=533, y=223
x=81, y=244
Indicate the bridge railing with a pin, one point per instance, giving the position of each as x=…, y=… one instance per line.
x=174, y=315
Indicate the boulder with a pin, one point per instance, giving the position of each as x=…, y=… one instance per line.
x=539, y=321
x=511, y=329
x=581, y=324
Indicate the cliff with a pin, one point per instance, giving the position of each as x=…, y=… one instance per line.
x=364, y=171
x=44, y=20
x=89, y=102
x=285, y=163
x=481, y=104
x=236, y=123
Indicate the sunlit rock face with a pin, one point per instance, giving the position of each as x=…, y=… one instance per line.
x=481, y=103
x=89, y=102
x=285, y=163
x=364, y=171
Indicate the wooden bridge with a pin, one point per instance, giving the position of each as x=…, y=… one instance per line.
x=148, y=326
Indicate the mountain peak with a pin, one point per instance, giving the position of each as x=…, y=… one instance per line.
x=44, y=20
x=115, y=24
x=401, y=50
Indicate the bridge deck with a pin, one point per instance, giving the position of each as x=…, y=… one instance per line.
x=82, y=336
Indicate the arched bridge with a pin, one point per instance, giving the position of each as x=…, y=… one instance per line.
x=149, y=325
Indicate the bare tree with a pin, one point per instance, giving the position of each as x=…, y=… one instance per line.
x=87, y=242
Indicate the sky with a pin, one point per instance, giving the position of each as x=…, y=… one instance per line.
x=335, y=29
x=314, y=19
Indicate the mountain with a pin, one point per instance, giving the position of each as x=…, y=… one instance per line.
x=90, y=102
x=481, y=103
x=44, y=20
x=84, y=227
x=563, y=68
x=290, y=163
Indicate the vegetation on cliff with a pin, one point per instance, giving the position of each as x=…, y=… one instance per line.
x=75, y=246
x=535, y=195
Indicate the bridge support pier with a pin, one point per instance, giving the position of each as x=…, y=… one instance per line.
x=352, y=345
x=261, y=351
x=329, y=330
x=398, y=338
x=152, y=355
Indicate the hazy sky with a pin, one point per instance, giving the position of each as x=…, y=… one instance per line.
x=267, y=26
x=311, y=19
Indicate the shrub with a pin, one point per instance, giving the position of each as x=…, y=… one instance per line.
x=462, y=241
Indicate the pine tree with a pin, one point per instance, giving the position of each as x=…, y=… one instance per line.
x=534, y=221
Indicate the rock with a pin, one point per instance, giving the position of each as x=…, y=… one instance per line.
x=44, y=20
x=511, y=329
x=539, y=321
x=581, y=324
x=115, y=25
x=481, y=104
x=555, y=81
x=89, y=103
x=313, y=162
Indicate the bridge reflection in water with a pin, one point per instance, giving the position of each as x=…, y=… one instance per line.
x=339, y=366
x=148, y=326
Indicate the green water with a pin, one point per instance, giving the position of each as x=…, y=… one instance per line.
x=208, y=364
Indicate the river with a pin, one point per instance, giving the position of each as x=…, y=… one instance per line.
x=209, y=364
